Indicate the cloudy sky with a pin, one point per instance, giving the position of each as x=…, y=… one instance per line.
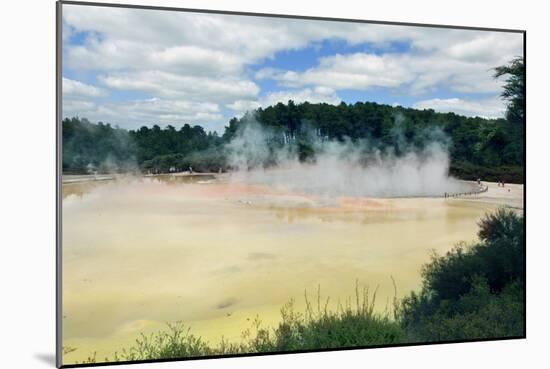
x=133, y=67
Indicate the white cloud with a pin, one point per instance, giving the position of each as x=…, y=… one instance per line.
x=132, y=114
x=72, y=88
x=170, y=85
x=312, y=95
x=220, y=43
x=412, y=73
x=116, y=55
x=198, y=60
x=353, y=71
x=243, y=106
x=486, y=47
x=246, y=39
x=206, y=58
x=487, y=108
x=77, y=107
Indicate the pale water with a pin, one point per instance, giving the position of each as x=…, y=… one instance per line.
x=140, y=252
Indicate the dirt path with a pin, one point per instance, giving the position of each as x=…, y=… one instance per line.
x=511, y=195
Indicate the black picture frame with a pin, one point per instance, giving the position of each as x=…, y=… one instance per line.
x=58, y=154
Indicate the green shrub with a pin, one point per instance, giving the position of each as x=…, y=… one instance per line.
x=477, y=314
x=347, y=327
x=488, y=173
x=472, y=292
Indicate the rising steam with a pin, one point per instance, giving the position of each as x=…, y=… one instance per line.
x=343, y=168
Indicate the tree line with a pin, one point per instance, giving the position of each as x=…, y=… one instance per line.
x=492, y=149
x=477, y=146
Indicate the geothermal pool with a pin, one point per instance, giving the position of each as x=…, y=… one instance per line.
x=215, y=253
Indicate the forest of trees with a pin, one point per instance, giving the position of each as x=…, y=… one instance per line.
x=492, y=149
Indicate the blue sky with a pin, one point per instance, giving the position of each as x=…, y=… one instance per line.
x=204, y=68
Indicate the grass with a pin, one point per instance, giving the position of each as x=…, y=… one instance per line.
x=315, y=327
x=354, y=323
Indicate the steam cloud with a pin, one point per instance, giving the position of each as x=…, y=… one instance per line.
x=344, y=168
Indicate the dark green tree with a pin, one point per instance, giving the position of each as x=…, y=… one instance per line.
x=472, y=292
x=514, y=88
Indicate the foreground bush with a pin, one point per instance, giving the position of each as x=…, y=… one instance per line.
x=472, y=292
x=349, y=326
x=316, y=328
